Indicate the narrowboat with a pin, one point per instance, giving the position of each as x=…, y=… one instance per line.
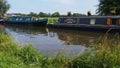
x=1, y=20
x=89, y=23
x=26, y=20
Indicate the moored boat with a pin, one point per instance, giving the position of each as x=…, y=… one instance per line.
x=2, y=20
x=26, y=20
x=90, y=23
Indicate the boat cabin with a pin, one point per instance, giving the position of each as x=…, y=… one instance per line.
x=91, y=20
x=21, y=19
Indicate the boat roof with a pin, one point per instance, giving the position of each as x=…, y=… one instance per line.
x=21, y=17
x=91, y=17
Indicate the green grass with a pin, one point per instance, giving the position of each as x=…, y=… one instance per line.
x=14, y=56
x=51, y=20
x=103, y=54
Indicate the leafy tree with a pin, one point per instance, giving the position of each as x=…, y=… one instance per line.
x=77, y=14
x=109, y=7
x=55, y=14
x=33, y=14
x=42, y=14
x=4, y=6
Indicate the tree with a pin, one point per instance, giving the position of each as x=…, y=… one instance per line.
x=4, y=7
x=42, y=14
x=55, y=14
x=109, y=7
x=33, y=14
x=77, y=14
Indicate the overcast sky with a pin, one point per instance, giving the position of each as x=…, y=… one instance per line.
x=50, y=6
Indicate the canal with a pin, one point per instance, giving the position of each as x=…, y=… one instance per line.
x=53, y=41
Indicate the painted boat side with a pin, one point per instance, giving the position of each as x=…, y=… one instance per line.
x=25, y=21
x=89, y=23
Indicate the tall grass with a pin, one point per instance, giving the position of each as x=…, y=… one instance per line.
x=104, y=54
x=14, y=56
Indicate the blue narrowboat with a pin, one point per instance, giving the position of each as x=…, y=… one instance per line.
x=26, y=20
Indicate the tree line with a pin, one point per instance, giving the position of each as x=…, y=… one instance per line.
x=55, y=14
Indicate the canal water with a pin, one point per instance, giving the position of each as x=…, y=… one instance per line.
x=52, y=41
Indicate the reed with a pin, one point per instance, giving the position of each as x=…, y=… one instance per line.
x=104, y=54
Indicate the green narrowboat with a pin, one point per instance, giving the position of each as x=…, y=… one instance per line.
x=26, y=20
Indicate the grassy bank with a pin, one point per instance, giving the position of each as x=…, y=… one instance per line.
x=104, y=54
x=14, y=56
x=51, y=20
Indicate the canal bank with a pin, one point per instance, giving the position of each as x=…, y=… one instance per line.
x=103, y=54
x=52, y=41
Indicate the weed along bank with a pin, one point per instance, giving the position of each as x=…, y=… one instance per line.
x=90, y=23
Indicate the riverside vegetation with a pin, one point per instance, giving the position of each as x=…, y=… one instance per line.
x=103, y=54
x=51, y=20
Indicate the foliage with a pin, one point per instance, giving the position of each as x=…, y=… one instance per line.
x=109, y=7
x=4, y=6
x=42, y=14
x=51, y=20
x=105, y=54
x=32, y=14
x=78, y=14
x=55, y=14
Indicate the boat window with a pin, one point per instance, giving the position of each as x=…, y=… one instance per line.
x=114, y=22
x=20, y=19
x=28, y=19
x=10, y=19
x=92, y=21
x=108, y=21
x=119, y=21
x=17, y=19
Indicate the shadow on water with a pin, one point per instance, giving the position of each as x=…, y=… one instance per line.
x=53, y=41
x=27, y=29
x=73, y=37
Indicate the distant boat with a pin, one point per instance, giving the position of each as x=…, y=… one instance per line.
x=26, y=20
x=1, y=20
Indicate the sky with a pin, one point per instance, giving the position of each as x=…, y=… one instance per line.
x=51, y=6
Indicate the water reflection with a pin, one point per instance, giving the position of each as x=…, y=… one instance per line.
x=52, y=41
x=2, y=28
x=73, y=37
x=27, y=29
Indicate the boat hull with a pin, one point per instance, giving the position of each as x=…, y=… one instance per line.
x=27, y=23
x=89, y=23
x=96, y=28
